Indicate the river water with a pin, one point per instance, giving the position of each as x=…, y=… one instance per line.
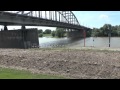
x=89, y=42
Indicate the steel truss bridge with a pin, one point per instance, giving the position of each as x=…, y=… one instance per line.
x=62, y=19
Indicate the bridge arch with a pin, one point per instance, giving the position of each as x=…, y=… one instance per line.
x=61, y=16
x=63, y=19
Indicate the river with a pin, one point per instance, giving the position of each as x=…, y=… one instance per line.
x=89, y=42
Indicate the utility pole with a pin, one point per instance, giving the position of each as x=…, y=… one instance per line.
x=109, y=34
x=84, y=37
x=92, y=37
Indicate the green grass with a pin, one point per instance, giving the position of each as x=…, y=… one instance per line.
x=47, y=35
x=6, y=73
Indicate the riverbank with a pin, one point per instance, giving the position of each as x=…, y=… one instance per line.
x=71, y=63
x=50, y=36
x=94, y=48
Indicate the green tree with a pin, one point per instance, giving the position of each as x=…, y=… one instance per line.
x=53, y=33
x=95, y=32
x=60, y=32
x=107, y=28
x=40, y=31
x=40, y=35
x=88, y=33
x=114, y=33
x=47, y=31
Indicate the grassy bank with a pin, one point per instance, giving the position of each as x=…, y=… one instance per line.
x=47, y=35
x=6, y=73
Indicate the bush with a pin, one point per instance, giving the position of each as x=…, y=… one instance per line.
x=40, y=35
x=47, y=31
x=53, y=33
x=40, y=31
x=60, y=32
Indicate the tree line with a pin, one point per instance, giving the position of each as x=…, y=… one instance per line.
x=59, y=32
x=105, y=30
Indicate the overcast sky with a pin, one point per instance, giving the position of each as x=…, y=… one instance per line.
x=88, y=18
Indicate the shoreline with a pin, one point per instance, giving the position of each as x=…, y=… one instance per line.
x=85, y=62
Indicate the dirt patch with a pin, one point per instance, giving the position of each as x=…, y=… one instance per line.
x=72, y=63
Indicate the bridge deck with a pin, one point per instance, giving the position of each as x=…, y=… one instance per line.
x=19, y=19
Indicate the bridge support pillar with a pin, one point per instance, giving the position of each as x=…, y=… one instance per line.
x=68, y=30
x=5, y=28
x=75, y=34
x=23, y=27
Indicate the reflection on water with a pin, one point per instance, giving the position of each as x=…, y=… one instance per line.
x=96, y=42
